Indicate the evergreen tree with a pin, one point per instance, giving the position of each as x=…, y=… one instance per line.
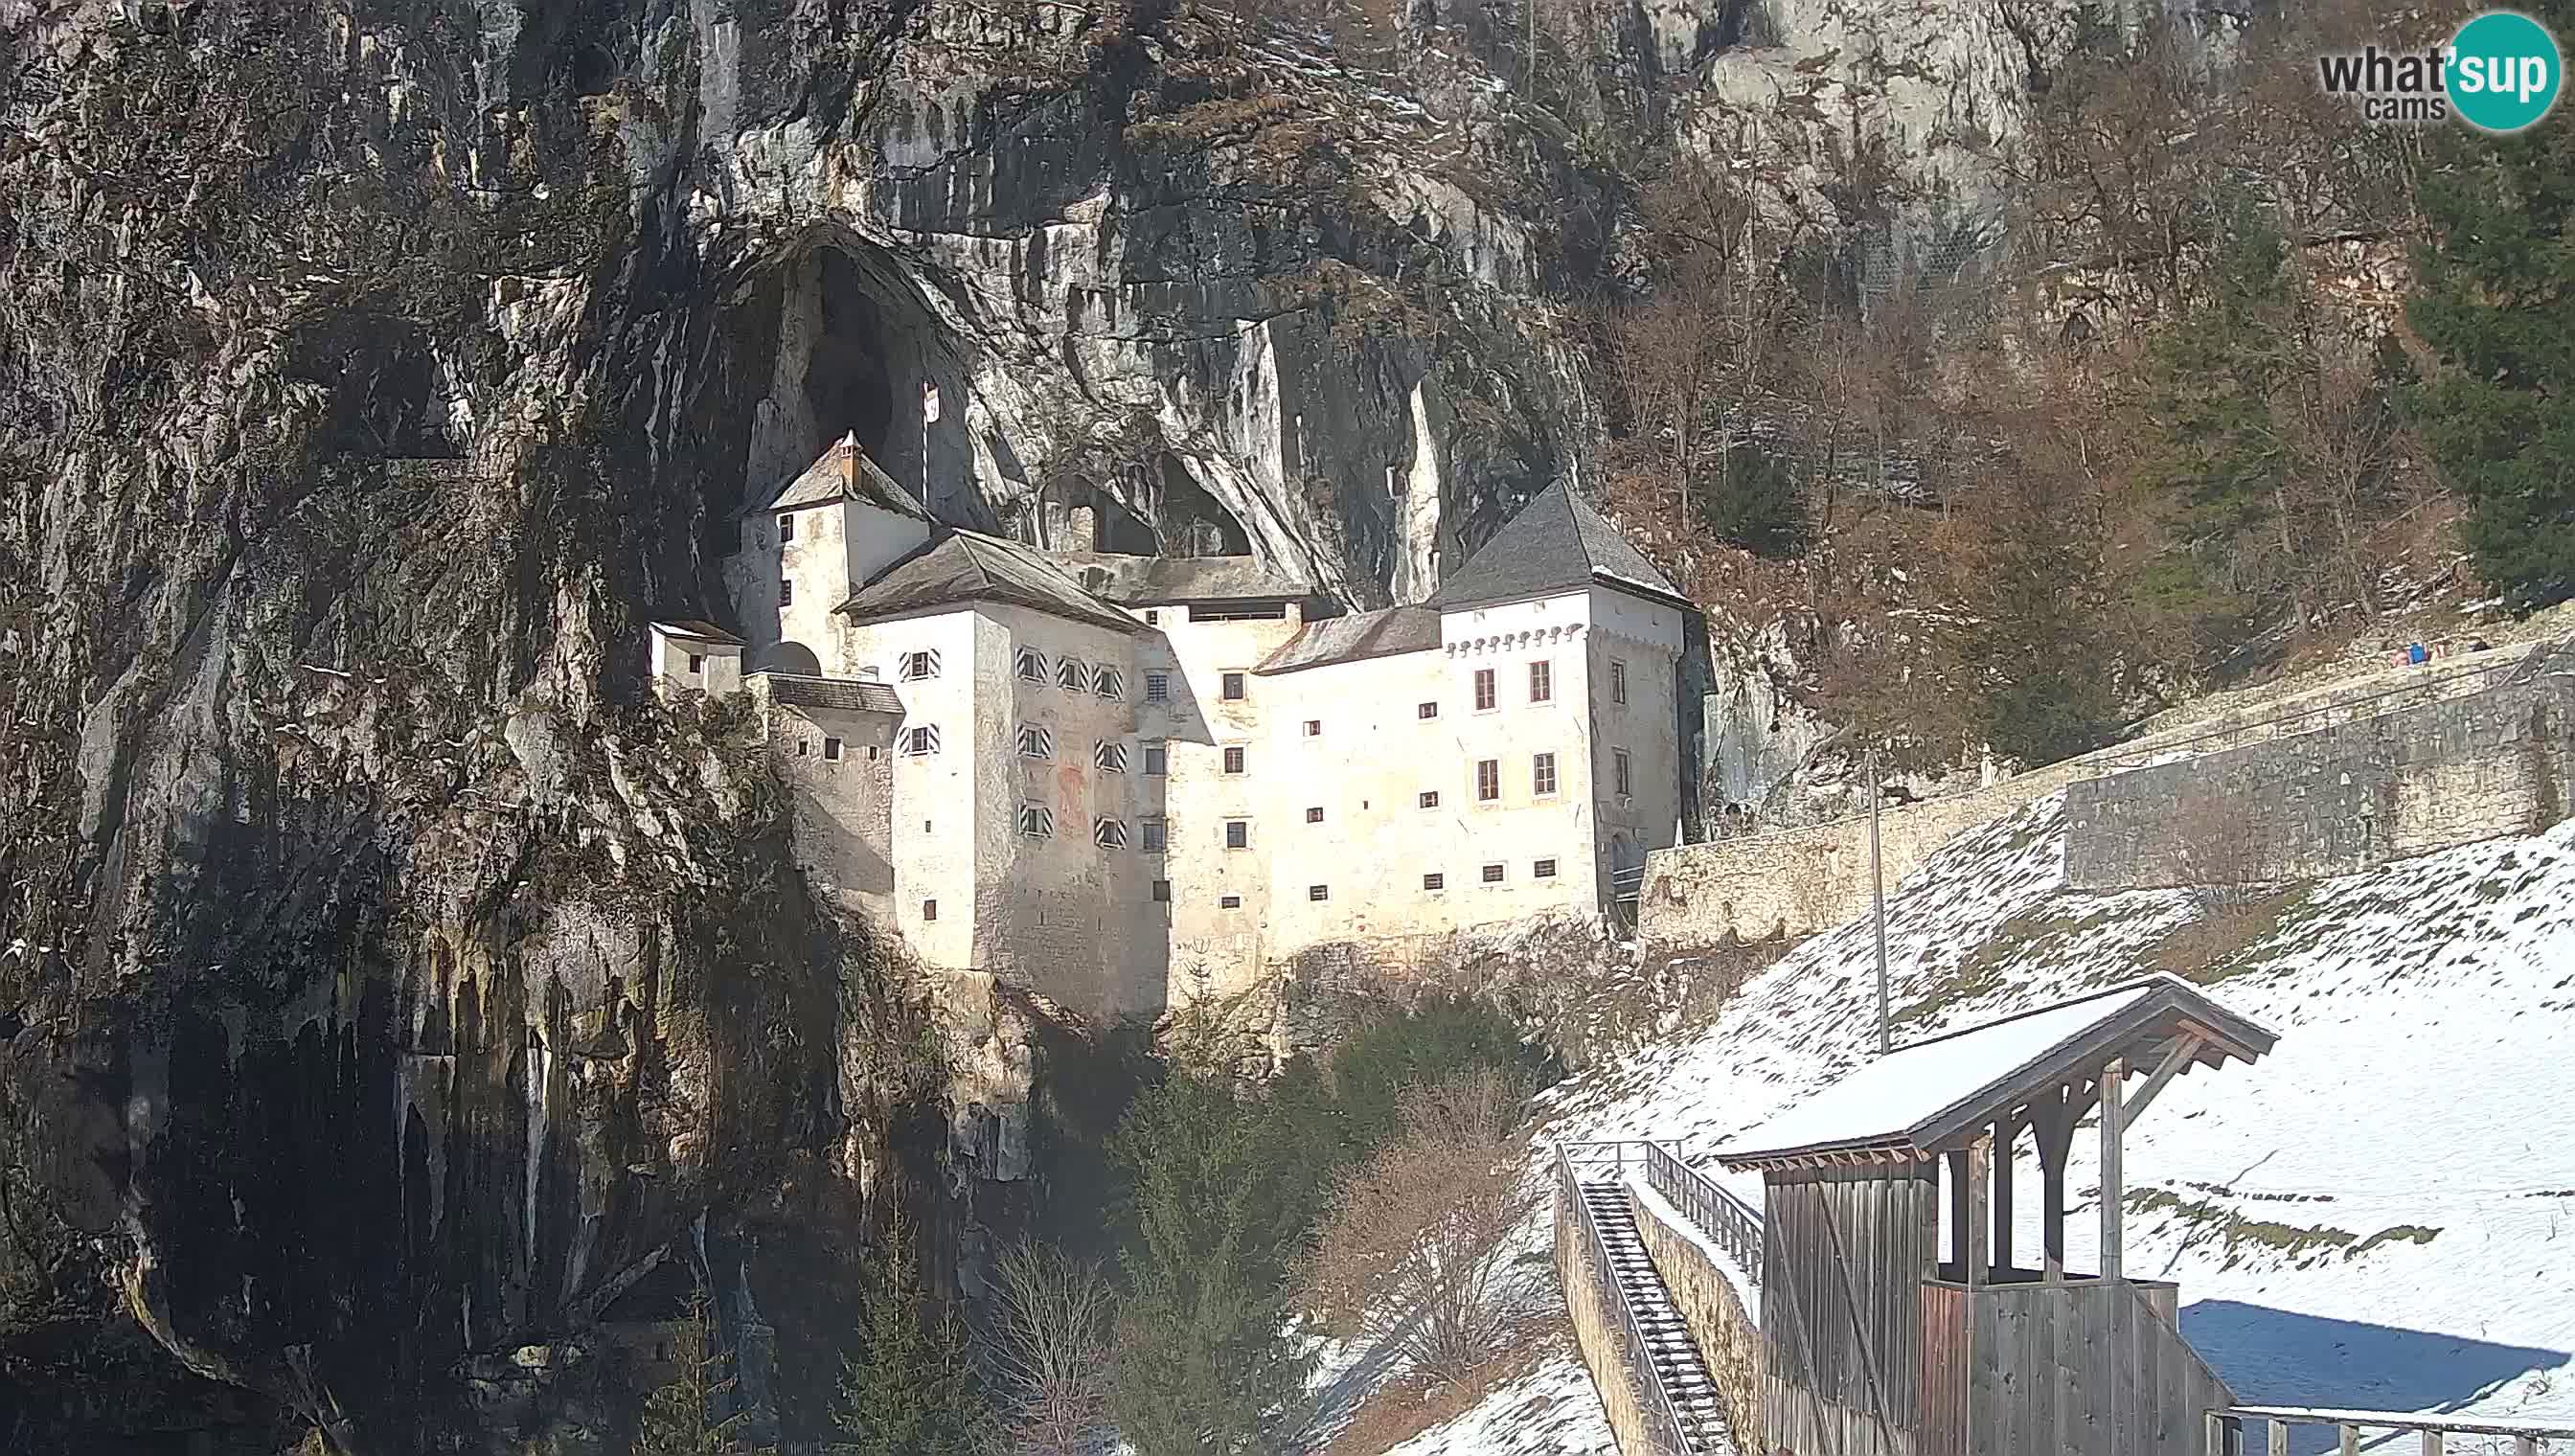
x=2495, y=297
x=682, y=1417
x=911, y=1389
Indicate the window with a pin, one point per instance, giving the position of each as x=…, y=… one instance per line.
x=1619, y=773
x=1314, y=728
x=787, y=593
x=1228, y=902
x=1071, y=676
x=1314, y=816
x=1032, y=665
x=1107, y=833
x=1542, y=681
x=1158, y=759
x=1488, y=779
x=1483, y=690
x=697, y=663
x=832, y=749
x=1036, y=821
x=1153, y=617
x=919, y=742
x=1110, y=756
x=1543, y=869
x=1108, y=684
x=1233, y=687
x=1435, y=881
x=1426, y=710
x=1492, y=874
x=917, y=666
x=1319, y=891
x=1233, y=759
x=1158, y=688
x=1162, y=892
x=1429, y=798
x=1618, y=681
x=1542, y=773
x=1237, y=833
x=1036, y=742
x=930, y=909
x=786, y=526
x=1155, y=837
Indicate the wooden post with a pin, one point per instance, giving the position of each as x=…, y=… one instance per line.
x=2525, y=1446
x=1980, y=1156
x=2216, y=1422
x=2114, y=1082
x=2052, y=1146
x=2006, y=1132
x=2351, y=1441
x=2279, y=1429
x=2431, y=1443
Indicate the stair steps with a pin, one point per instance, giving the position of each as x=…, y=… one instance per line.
x=1668, y=1343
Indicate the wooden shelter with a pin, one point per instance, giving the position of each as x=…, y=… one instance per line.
x=1880, y=1341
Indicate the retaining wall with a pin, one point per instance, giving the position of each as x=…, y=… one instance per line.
x=1595, y=1313
x=1729, y=1340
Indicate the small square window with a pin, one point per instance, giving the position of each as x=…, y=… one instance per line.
x=1542, y=681
x=1618, y=681
x=832, y=749
x=1108, y=684
x=1072, y=676
x=930, y=909
x=1158, y=688
x=1237, y=833
x=1425, y=710
x=1319, y=891
x=917, y=666
x=1155, y=834
x=1036, y=821
x=697, y=664
x=787, y=593
x=1233, y=759
x=1622, y=773
x=1542, y=773
x=1314, y=728
x=1109, y=757
x=919, y=742
x=1036, y=742
x=1483, y=690
x=803, y=748
x=1429, y=798
x=1158, y=759
x=1314, y=816
x=1228, y=902
x=1488, y=779
x=786, y=526
x=1233, y=687
x=1108, y=833
x=1153, y=617
x=872, y=753
x=1435, y=881
x=1032, y=665
x=1162, y=892
x=1492, y=874
x=1543, y=869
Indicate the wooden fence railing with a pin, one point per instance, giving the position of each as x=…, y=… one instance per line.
x=2227, y=1429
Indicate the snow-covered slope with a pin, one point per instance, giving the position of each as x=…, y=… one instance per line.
x=2379, y=1214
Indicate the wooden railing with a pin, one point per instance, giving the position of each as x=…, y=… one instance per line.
x=1661, y=1416
x=1719, y=1214
x=2227, y=1429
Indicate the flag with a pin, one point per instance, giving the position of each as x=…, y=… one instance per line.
x=928, y=404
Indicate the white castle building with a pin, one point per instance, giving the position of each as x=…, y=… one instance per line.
x=1128, y=782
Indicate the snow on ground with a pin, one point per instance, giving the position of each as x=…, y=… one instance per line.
x=2380, y=1214
x=1553, y=1408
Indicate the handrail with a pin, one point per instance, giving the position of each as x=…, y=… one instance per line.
x=1722, y=1217
x=1659, y=1412
x=2225, y=1427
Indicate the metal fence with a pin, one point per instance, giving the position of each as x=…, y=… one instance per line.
x=1654, y=1401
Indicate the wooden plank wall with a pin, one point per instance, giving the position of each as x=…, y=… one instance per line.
x=1844, y=1253
x=2040, y=1377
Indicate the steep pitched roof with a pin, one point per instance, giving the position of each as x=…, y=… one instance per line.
x=966, y=567
x=1359, y=635
x=698, y=629
x=1557, y=542
x=848, y=695
x=1158, y=580
x=844, y=473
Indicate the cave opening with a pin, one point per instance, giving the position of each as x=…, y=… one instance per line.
x=847, y=383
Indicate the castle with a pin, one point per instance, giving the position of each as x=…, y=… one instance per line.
x=1127, y=782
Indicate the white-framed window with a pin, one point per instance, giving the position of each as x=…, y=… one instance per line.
x=1107, y=833
x=1158, y=688
x=1485, y=691
x=921, y=742
x=1036, y=821
x=1492, y=874
x=1622, y=773
x=697, y=664
x=1488, y=779
x=1237, y=833
x=1434, y=882
x=832, y=749
x=1618, y=681
x=1314, y=728
x=1314, y=814
x=1543, y=869
x=1153, y=617
x=1036, y=742
x=1109, y=683
x=917, y=666
x=1319, y=891
x=1228, y=902
x=1157, y=759
x=1032, y=665
x=1072, y=676
x=1429, y=798
x=1157, y=835
x=1542, y=773
x=1231, y=687
x=1542, y=681
x=1426, y=710
x=1236, y=758
x=1110, y=756
x=786, y=526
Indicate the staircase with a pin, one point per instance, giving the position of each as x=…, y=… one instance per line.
x=1688, y=1396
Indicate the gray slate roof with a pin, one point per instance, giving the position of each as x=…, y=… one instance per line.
x=699, y=629
x=966, y=567
x=844, y=473
x=1557, y=542
x=1360, y=634
x=849, y=695
x=1155, y=580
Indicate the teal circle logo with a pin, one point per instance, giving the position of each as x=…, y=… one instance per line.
x=2502, y=71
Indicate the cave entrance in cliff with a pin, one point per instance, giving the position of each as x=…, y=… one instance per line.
x=833, y=337
x=849, y=385
x=1152, y=509
x=1194, y=522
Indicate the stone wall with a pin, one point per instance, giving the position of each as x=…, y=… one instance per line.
x=1594, y=1314
x=1729, y=1338
x=2336, y=800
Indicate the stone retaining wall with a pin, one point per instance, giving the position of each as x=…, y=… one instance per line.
x=1595, y=1313
x=1729, y=1339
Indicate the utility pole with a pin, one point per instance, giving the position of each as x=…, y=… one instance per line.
x=1877, y=896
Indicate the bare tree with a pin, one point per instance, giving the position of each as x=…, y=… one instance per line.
x=1051, y=1351
x=1418, y=1245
